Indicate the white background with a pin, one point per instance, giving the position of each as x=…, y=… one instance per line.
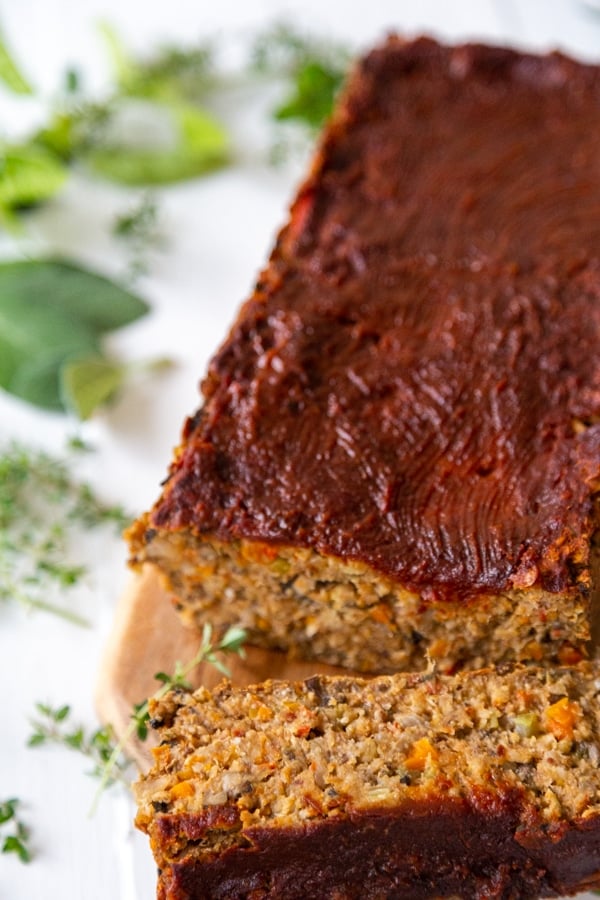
x=219, y=231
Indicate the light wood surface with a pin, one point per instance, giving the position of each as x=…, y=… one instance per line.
x=147, y=637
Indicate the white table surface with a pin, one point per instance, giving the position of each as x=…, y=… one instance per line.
x=219, y=232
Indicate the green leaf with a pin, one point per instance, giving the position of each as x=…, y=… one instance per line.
x=35, y=340
x=87, y=384
x=37, y=381
x=15, y=844
x=313, y=96
x=7, y=810
x=28, y=175
x=199, y=145
x=124, y=67
x=52, y=312
x=87, y=298
x=10, y=73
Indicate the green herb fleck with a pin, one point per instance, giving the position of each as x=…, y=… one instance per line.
x=17, y=842
x=42, y=506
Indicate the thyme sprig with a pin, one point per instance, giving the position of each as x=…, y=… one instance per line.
x=111, y=765
x=138, y=228
x=41, y=506
x=17, y=841
x=53, y=725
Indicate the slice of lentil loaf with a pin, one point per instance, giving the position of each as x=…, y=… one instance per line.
x=481, y=784
x=398, y=446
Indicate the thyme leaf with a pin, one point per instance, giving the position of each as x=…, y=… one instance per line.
x=17, y=842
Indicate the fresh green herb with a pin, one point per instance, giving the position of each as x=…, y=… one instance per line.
x=52, y=312
x=180, y=142
x=28, y=175
x=89, y=383
x=53, y=726
x=314, y=69
x=41, y=506
x=10, y=74
x=138, y=228
x=231, y=642
x=171, y=72
x=150, y=131
x=17, y=842
x=74, y=128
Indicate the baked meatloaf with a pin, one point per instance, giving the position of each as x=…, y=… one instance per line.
x=474, y=785
x=398, y=445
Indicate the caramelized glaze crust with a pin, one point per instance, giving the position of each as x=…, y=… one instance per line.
x=415, y=383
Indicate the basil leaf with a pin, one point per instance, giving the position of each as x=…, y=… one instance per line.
x=28, y=175
x=89, y=383
x=10, y=73
x=85, y=297
x=199, y=145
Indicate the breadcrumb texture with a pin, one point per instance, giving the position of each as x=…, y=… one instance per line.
x=482, y=784
x=399, y=438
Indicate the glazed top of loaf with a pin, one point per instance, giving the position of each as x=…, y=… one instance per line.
x=415, y=383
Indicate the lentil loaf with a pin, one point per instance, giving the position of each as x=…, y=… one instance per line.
x=398, y=445
x=479, y=784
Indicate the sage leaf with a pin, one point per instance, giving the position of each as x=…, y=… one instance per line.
x=34, y=343
x=52, y=312
x=86, y=297
x=38, y=381
x=10, y=74
x=28, y=175
x=89, y=383
x=198, y=144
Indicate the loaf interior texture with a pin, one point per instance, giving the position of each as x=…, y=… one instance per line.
x=480, y=784
x=398, y=446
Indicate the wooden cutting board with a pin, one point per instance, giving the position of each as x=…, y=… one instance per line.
x=147, y=637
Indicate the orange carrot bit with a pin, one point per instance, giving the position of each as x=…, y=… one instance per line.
x=256, y=551
x=560, y=718
x=421, y=754
x=182, y=789
x=381, y=613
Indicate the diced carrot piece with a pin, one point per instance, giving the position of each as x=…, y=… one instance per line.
x=421, y=754
x=182, y=789
x=560, y=718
